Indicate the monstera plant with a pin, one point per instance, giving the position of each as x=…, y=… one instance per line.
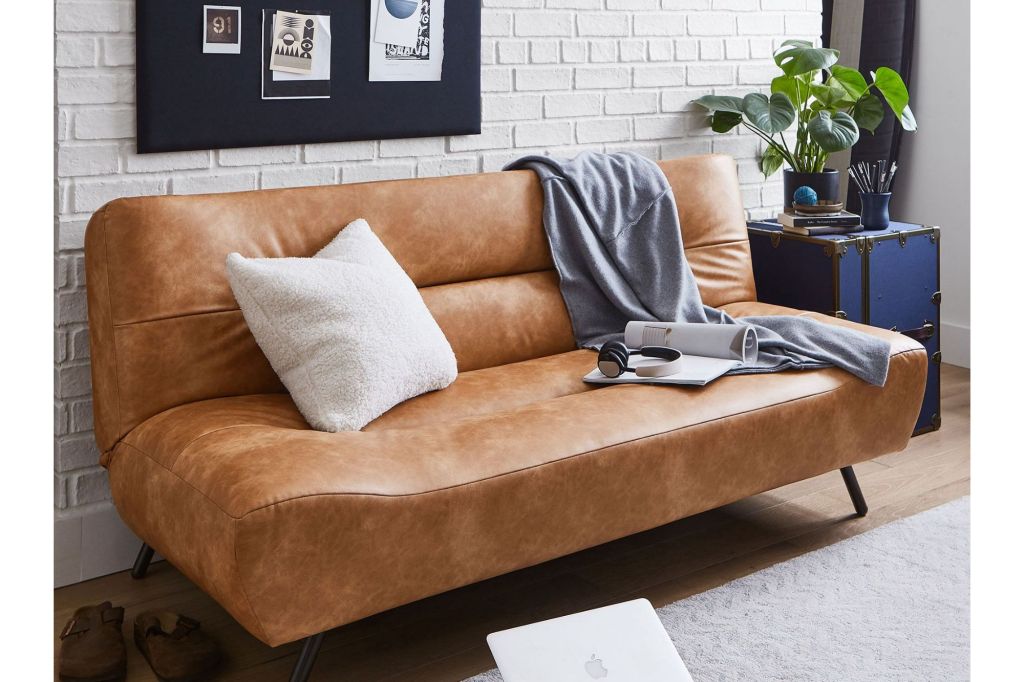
x=829, y=103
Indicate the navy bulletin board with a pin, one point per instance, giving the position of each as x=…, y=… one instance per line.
x=189, y=100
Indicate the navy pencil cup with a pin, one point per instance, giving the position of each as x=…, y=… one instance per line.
x=874, y=210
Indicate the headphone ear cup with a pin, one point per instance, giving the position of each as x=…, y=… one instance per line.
x=620, y=351
x=613, y=358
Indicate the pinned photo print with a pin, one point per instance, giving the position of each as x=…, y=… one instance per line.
x=294, y=43
x=222, y=29
x=419, y=60
x=283, y=47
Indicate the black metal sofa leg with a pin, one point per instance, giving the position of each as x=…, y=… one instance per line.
x=307, y=657
x=142, y=562
x=853, y=487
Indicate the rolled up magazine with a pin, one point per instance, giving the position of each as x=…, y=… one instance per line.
x=725, y=341
x=709, y=351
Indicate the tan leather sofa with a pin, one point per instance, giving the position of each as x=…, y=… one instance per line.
x=295, y=531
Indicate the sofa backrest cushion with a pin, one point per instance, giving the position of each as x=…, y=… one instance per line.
x=165, y=329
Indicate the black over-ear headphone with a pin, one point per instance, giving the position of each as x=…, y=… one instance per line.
x=613, y=360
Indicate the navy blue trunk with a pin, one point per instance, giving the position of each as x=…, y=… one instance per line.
x=885, y=278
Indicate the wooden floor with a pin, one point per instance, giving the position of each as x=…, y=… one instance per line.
x=442, y=638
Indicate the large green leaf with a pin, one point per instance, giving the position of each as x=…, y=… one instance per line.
x=833, y=132
x=771, y=161
x=772, y=115
x=791, y=87
x=721, y=103
x=785, y=49
x=724, y=121
x=868, y=112
x=850, y=80
x=893, y=89
x=830, y=95
x=798, y=57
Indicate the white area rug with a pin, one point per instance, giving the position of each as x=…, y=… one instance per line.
x=890, y=604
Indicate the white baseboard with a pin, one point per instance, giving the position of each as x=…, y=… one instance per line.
x=956, y=344
x=90, y=542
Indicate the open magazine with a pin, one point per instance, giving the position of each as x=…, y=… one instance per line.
x=709, y=351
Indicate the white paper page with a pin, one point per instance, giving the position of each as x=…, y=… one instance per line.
x=696, y=371
x=398, y=22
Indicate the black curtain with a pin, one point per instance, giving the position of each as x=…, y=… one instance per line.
x=887, y=39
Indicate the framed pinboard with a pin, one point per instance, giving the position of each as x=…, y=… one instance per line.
x=189, y=98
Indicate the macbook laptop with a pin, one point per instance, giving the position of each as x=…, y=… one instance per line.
x=619, y=643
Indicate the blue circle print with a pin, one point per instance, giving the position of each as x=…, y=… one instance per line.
x=401, y=9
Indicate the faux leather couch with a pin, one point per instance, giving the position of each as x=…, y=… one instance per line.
x=296, y=531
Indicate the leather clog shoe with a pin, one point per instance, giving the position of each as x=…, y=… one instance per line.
x=92, y=646
x=174, y=646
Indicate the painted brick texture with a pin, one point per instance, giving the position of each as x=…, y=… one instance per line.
x=558, y=76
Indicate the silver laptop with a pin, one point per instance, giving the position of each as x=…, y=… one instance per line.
x=620, y=643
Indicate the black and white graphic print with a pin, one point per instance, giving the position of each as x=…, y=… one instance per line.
x=294, y=43
x=313, y=84
x=421, y=51
x=413, y=53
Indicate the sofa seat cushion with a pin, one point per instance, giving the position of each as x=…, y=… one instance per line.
x=429, y=496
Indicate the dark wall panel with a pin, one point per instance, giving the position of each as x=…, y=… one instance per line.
x=190, y=100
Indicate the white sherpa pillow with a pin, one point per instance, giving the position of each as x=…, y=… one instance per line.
x=346, y=331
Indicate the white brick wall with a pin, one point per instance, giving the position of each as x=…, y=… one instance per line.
x=558, y=76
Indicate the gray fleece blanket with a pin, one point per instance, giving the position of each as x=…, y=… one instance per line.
x=615, y=238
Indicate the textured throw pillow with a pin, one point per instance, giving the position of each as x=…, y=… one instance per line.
x=346, y=331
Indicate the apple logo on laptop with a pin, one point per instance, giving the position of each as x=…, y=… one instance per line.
x=595, y=668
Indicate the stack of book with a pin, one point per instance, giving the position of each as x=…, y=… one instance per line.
x=840, y=222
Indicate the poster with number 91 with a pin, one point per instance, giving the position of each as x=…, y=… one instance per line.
x=222, y=29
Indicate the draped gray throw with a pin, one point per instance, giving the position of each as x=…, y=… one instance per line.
x=615, y=238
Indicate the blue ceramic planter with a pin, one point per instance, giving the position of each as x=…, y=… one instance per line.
x=824, y=184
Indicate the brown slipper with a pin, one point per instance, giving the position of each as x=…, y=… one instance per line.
x=174, y=647
x=92, y=646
